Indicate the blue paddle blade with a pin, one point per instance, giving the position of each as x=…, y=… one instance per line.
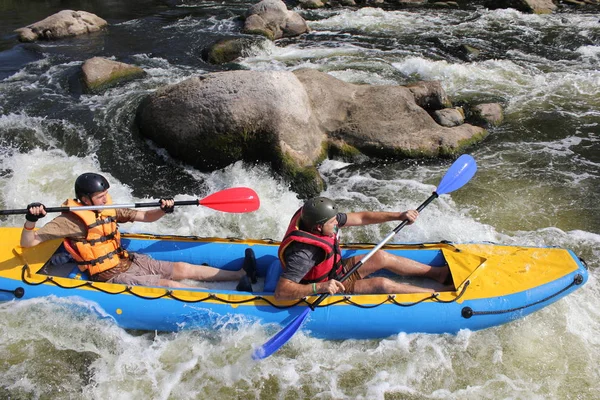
x=281, y=338
x=459, y=174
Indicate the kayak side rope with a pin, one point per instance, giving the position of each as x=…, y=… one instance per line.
x=468, y=312
x=391, y=299
x=18, y=292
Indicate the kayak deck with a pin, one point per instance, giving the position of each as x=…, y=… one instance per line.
x=492, y=270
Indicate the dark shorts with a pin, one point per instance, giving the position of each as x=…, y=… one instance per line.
x=348, y=263
x=145, y=271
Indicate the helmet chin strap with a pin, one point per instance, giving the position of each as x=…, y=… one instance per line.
x=88, y=200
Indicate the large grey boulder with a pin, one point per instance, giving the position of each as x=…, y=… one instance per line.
x=272, y=19
x=213, y=120
x=62, y=24
x=99, y=73
x=292, y=120
x=384, y=121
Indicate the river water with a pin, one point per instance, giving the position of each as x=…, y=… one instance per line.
x=537, y=184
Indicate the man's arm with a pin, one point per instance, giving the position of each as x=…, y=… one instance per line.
x=378, y=217
x=166, y=206
x=63, y=226
x=289, y=290
x=29, y=237
x=148, y=216
x=300, y=258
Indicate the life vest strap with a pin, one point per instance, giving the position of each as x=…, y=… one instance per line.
x=104, y=221
x=92, y=242
x=99, y=260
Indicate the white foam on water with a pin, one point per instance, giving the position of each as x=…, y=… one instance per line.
x=268, y=57
x=441, y=220
x=211, y=24
x=108, y=362
x=370, y=20
x=590, y=52
x=523, y=87
x=495, y=76
x=204, y=364
x=358, y=76
x=48, y=176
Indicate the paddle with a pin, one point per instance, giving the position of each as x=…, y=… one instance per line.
x=459, y=173
x=232, y=200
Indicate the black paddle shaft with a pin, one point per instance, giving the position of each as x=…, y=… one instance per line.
x=105, y=207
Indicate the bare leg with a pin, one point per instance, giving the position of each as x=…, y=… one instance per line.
x=401, y=266
x=170, y=283
x=183, y=270
x=385, y=285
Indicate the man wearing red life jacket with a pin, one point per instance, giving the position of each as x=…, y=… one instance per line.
x=312, y=263
x=94, y=241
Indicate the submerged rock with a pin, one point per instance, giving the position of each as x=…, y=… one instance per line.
x=490, y=114
x=228, y=50
x=213, y=120
x=99, y=73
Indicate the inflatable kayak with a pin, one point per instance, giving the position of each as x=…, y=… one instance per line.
x=494, y=284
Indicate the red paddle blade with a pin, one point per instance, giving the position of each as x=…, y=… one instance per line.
x=233, y=200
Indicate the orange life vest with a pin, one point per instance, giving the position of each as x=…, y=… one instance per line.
x=101, y=249
x=329, y=268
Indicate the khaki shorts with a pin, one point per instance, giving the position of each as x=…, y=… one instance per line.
x=348, y=263
x=145, y=271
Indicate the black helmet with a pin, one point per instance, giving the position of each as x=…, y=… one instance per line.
x=317, y=210
x=89, y=183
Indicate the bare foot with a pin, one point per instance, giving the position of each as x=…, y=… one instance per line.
x=443, y=275
x=447, y=288
x=445, y=278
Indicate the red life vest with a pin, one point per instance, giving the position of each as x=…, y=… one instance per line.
x=101, y=249
x=330, y=268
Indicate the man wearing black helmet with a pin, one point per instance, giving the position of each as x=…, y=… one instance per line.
x=312, y=261
x=93, y=239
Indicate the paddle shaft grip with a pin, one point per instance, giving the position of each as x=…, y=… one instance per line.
x=375, y=249
x=105, y=207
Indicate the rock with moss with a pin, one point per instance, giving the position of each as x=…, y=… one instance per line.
x=293, y=120
x=384, y=121
x=62, y=24
x=214, y=120
x=228, y=50
x=100, y=73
